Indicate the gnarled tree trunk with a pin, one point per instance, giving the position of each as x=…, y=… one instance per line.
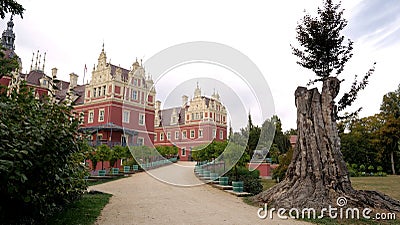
x=317, y=175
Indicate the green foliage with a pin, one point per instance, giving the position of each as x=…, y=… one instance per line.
x=103, y=153
x=167, y=151
x=279, y=173
x=40, y=156
x=324, y=50
x=10, y=6
x=209, y=152
x=7, y=65
x=251, y=180
x=371, y=168
x=117, y=152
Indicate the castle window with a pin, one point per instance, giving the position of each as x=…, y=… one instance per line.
x=214, y=133
x=104, y=90
x=168, y=135
x=140, y=141
x=176, y=135
x=221, y=134
x=94, y=92
x=134, y=95
x=184, y=135
x=200, y=133
x=101, y=115
x=125, y=117
x=99, y=89
x=161, y=136
x=141, y=119
x=183, y=151
x=191, y=133
x=91, y=116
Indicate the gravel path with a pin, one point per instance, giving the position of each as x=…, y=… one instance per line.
x=142, y=199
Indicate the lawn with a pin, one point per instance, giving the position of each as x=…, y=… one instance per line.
x=389, y=185
x=84, y=211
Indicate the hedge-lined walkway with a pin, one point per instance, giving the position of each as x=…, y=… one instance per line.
x=141, y=199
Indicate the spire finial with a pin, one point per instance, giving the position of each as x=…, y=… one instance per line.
x=40, y=57
x=37, y=55
x=33, y=55
x=44, y=60
x=102, y=46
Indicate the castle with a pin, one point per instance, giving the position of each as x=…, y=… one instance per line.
x=118, y=106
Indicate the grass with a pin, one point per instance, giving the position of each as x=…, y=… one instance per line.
x=84, y=211
x=267, y=183
x=389, y=185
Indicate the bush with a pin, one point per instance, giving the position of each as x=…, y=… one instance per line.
x=251, y=179
x=40, y=157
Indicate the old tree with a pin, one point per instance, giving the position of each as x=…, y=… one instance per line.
x=317, y=175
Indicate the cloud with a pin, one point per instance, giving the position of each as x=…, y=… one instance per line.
x=375, y=21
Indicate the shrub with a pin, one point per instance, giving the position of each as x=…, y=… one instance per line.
x=40, y=157
x=251, y=181
x=371, y=169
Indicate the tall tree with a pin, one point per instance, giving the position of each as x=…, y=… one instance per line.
x=10, y=6
x=390, y=131
x=317, y=174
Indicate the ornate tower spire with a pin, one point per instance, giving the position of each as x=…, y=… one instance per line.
x=102, y=61
x=8, y=36
x=44, y=61
x=197, y=91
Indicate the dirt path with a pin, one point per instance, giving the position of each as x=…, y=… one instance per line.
x=142, y=199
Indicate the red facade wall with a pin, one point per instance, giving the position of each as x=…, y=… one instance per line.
x=264, y=168
x=189, y=142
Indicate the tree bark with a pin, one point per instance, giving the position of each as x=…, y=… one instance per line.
x=392, y=161
x=317, y=175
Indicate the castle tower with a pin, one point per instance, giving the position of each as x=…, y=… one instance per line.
x=8, y=36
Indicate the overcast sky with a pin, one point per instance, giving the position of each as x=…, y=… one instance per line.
x=72, y=33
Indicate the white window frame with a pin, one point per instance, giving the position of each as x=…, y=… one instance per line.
x=91, y=118
x=161, y=136
x=183, y=151
x=214, y=133
x=142, y=121
x=140, y=141
x=192, y=135
x=101, y=119
x=168, y=135
x=134, y=95
x=155, y=137
x=94, y=92
x=200, y=133
x=176, y=135
x=221, y=134
x=125, y=119
x=184, y=134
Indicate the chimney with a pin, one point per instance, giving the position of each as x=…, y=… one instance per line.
x=54, y=72
x=184, y=100
x=73, y=80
